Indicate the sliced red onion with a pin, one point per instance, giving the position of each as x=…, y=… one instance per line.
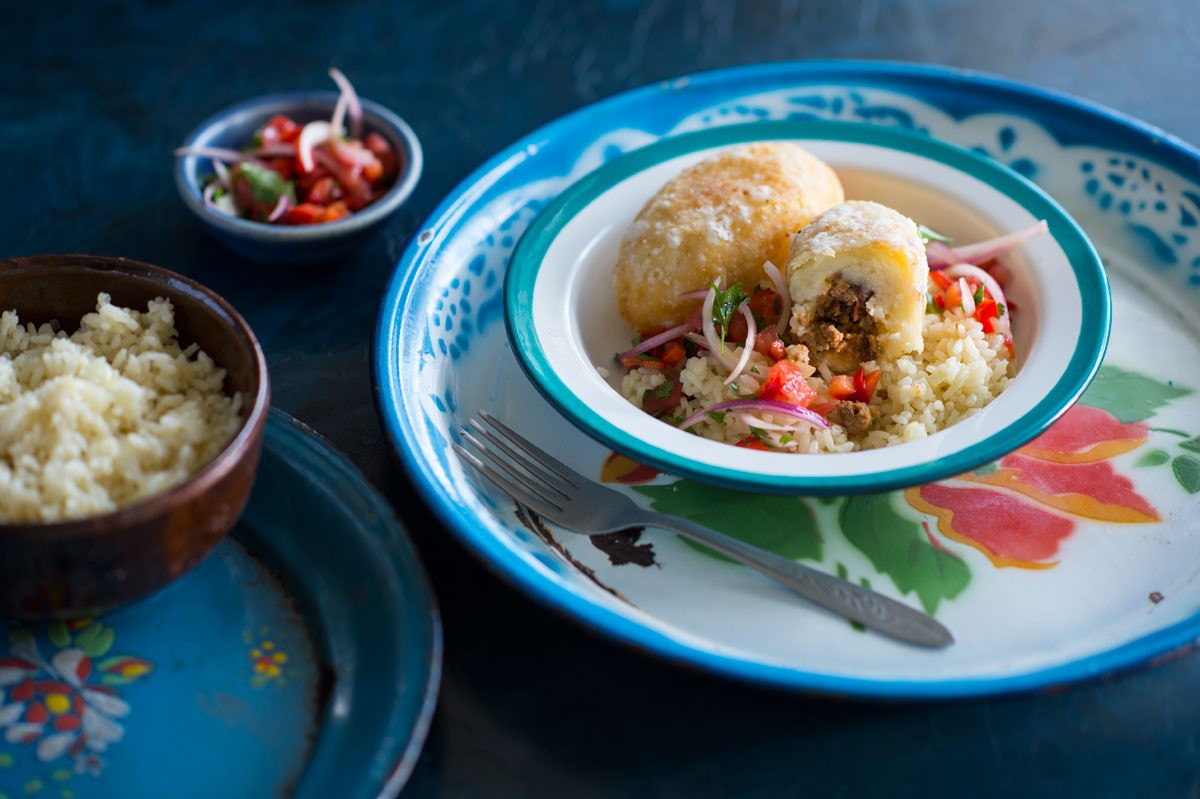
x=222, y=174
x=710, y=330
x=218, y=154
x=353, y=104
x=338, y=121
x=763, y=424
x=655, y=341
x=938, y=254
x=280, y=208
x=277, y=150
x=972, y=271
x=312, y=135
x=761, y=406
x=698, y=339
x=351, y=154
x=209, y=191
x=698, y=294
x=751, y=332
x=223, y=204
x=785, y=295
x=968, y=299
x=941, y=257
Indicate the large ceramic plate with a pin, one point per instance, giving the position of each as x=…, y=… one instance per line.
x=300, y=659
x=1074, y=557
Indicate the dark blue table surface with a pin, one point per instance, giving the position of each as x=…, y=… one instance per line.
x=94, y=96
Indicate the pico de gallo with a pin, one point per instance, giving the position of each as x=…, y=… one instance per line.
x=291, y=173
x=965, y=280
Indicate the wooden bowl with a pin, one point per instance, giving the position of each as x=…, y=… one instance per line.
x=87, y=566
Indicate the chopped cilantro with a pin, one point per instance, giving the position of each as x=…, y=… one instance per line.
x=978, y=295
x=266, y=185
x=928, y=235
x=663, y=391
x=1000, y=309
x=930, y=304
x=717, y=416
x=786, y=439
x=726, y=304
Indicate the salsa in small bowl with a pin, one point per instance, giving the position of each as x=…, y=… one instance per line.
x=298, y=177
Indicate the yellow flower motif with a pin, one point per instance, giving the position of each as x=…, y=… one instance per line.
x=58, y=704
x=266, y=658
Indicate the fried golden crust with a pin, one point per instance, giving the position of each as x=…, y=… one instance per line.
x=718, y=220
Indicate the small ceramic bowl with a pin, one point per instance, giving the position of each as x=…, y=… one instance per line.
x=564, y=326
x=94, y=564
x=294, y=244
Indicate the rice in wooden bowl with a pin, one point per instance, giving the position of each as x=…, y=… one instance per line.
x=132, y=408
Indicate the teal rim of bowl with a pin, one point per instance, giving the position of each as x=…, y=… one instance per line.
x=1085, y=263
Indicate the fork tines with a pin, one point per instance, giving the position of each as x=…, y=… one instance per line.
x=523, y=470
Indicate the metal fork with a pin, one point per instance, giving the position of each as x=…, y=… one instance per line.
x=551, y=489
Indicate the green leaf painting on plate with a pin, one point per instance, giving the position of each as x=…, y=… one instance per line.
x=1155, y=457
x=1130, y=396
x=897, y=546
x=1187, y=472
x=894, y=543
x=783, y=525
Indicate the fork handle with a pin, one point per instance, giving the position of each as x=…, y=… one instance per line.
x=869, y=608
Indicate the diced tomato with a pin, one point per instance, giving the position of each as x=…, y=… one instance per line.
x=641, y=362
x=356, y=192
x=841, y=387
x=335, y=211
x=940, y=280
x=986, y=313
x=324, y=191
x=737, y=329
x=953, y=297
x=388, y=160
x=279, y=128
x=673, y=353
x=304, y=214
x=823, y=408
x=786, y=382
x=752, y=443
x=865, y=383
x=306, y=180
x=284, y=167
x=765, y=304
x=768, y=343
x=653, y=403
x=373, y=170
x=1001, y=274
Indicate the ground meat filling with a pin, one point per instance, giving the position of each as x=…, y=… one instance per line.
x=841, y=331
x=856, y=417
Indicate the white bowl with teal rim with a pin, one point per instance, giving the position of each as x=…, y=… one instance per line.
x=564, y=326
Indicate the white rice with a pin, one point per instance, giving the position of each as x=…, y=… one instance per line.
x=960, y=370
x=114, y=413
